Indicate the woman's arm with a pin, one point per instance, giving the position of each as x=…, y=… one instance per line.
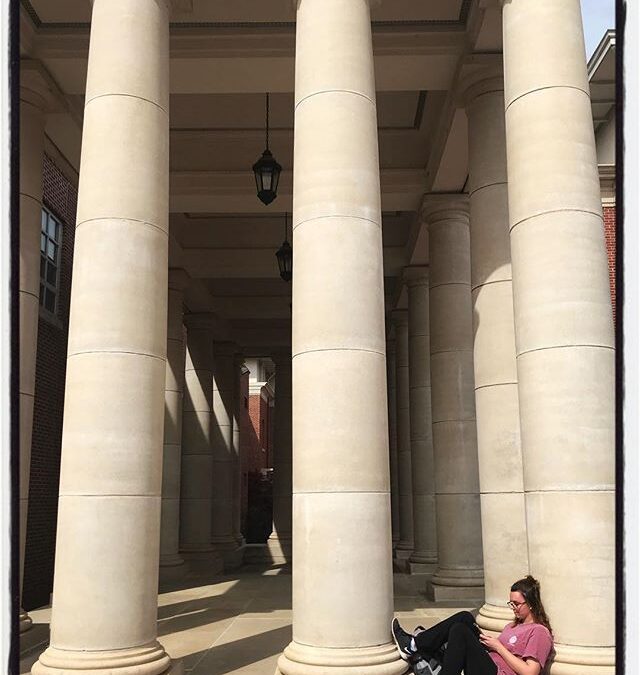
x=520, y=666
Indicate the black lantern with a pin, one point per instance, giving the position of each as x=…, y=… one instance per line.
x=285, y=256
x=267, y=170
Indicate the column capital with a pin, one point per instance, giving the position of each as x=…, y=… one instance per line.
x=224, y=348
x=416, y=275
x=439, y=207
x=178, y=279
x=39, y=89
x=200, y=321
x=480, y=74
x=281, y=357
x=400, y=317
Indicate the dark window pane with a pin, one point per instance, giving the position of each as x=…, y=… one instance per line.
x=42, y=267
x=52, y=271
x=51, y=250
x=52, y=228
x=49, y=300
x=41, y=294
x=43, y=243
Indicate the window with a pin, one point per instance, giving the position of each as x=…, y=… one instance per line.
x=50, y=241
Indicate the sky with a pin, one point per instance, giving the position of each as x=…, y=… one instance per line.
x=597, y=17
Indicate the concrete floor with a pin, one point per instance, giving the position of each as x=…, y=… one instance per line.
x=237, y=623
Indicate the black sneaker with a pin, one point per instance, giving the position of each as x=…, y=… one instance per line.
x=402, y=640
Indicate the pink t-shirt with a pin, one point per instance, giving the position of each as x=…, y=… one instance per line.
x=526, y=640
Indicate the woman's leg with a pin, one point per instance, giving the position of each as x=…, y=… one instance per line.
x=429, y=641
x=465, y=651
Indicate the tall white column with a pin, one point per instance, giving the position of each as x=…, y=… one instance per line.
x=171, y=562
x=404, y=547
x=564, y=333
x=279, y=542
x=342, y=576
x=106, y=568
x=393, y=444
x=504, y=525
x=459, y=573
x=32, y=107
x=196, y=482
x=425, y=547
x=222, y=528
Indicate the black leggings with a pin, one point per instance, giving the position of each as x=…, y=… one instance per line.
x=464, y=649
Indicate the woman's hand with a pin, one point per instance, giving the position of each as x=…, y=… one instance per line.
x=491, y=643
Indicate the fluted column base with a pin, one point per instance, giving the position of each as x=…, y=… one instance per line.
x=300, y=659
x=230, y=551
x=280, y=548
x=203, y=560
x=570, y=660
x=172, y=567
x=423, y=562
x=24, y=621
x=149, y=659
x=401, y=556
x=456, y=584
x=493, y=618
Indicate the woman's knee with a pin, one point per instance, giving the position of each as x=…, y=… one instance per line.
x=465, y=618
x=460, y=632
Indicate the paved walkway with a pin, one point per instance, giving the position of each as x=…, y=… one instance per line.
x=239, y=623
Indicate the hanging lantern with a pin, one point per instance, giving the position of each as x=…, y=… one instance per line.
x=284, y=256
x=266, y=170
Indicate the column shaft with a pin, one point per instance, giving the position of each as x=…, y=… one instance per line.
x=504, y=527
x=424, y=556
x=238, y=406
x=106, y=568
x=222, y=527
x=393, y=444
x=404, y=547
x=31, y=157
x=341, y=513
x=564, y=334
x=280, y=540
x=459, y=573
x=170, y=559
x=196, y=483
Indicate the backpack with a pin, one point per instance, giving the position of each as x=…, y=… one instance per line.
x=423, y=666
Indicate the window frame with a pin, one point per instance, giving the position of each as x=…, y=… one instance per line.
x=57, y=262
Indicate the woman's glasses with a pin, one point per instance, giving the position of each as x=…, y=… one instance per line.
x=515, y=605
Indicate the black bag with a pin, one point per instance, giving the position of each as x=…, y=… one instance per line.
x=422, y=666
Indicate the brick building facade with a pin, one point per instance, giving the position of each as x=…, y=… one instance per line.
x=60, y=198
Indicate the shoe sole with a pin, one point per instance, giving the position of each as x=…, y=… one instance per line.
x=403, y=656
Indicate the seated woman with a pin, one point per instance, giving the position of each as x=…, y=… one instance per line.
x=522, y=648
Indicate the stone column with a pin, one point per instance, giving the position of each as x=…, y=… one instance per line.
x=459, y=573
x=425, y=547
x=393, y=445
x=196, y=482
x=279, y=542
x=238, y=406
x=107, y=548
x=31, y=157
x=504, y=526
x=564, y=334
x=171, y=562
x=222, y=529
x=404, y=548
x=342, y=575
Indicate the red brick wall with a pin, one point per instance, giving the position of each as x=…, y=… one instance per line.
x=254, y=442
x=610, y=239
x=60, y=197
